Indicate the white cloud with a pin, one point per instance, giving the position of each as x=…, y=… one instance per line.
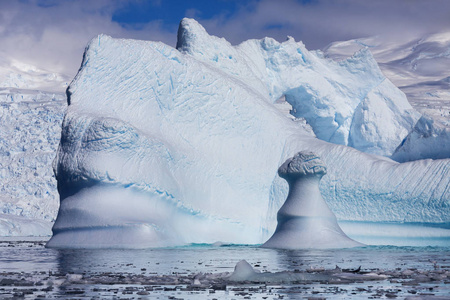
x=54, y=37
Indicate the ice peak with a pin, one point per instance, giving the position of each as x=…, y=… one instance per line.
x=192, y=37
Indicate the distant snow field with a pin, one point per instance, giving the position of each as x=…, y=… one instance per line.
x=421, y=69
x=349, y=102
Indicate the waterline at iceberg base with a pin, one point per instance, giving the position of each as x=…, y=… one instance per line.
x=164, y=146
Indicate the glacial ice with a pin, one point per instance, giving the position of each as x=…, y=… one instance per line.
x=165, y=147
x=30, y=123
x=305, y=220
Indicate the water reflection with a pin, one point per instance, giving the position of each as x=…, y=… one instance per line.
x=210, y=259
x=33, y=257
x=49, y=269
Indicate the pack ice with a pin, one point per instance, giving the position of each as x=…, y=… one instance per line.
x=164, y=146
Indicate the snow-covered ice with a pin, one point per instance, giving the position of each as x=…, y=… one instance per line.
x=15, y=74
x=163, y=147
x=305, y=220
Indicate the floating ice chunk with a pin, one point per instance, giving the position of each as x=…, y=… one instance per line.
x=243, y=271
x=74, y=277
x=305, y=220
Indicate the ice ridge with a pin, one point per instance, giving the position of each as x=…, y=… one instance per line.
x=349, y=102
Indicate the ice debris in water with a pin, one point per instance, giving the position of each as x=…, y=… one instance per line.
x=243, y=271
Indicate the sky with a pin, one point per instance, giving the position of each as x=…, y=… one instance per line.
x=52, y=34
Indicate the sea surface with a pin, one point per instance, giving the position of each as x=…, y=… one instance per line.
x=31, y=271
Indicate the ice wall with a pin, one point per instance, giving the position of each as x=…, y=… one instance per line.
x=160, y=147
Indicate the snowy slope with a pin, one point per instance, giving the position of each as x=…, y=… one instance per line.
x=162, y=147
x=32, y=105
x=421, y=69
x=18, y=75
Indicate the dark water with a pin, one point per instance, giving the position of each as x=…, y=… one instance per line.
x=28, y=269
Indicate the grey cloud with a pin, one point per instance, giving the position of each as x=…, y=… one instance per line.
x=53, y=37
x=320, y=22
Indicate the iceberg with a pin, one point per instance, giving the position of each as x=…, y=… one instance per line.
x=32, y=106
x=305, y=220
x=428, y=139
x=163, y=146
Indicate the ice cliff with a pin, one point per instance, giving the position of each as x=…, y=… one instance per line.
x=32, y=105
x=162, y=146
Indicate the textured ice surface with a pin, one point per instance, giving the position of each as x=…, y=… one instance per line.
x=30, y=123
x=348, y=102
x=162, y=147
x=32, y=105
x=305, y=220
x=429, y=139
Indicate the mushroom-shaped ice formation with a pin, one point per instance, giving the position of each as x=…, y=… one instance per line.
x=305, y=220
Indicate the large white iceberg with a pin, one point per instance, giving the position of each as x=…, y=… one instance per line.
x=164, y=147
